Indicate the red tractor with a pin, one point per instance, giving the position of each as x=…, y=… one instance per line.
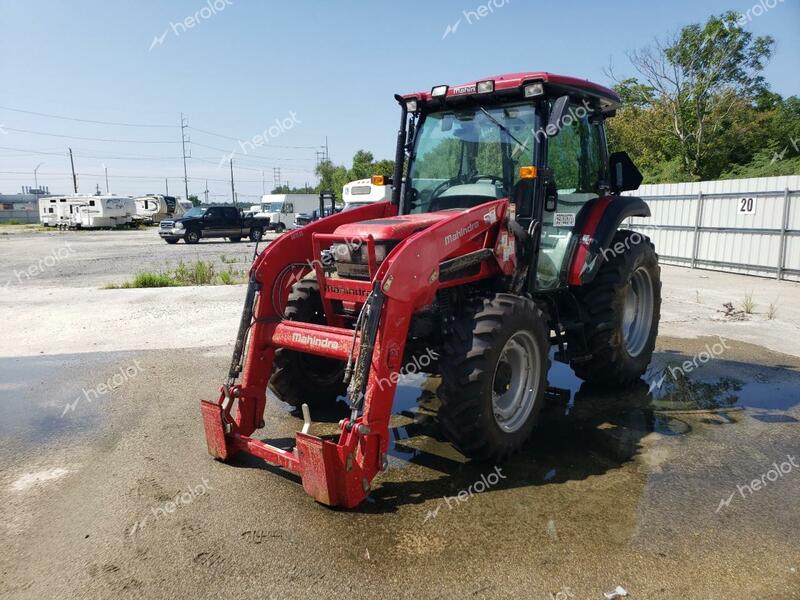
x=501, y=240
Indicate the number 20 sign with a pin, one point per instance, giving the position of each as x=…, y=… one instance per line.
x=747, y=206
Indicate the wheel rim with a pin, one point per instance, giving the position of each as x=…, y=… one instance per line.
x=516, y=381
x=637, y=313
x=192, y=237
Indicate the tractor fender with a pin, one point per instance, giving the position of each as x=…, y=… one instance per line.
x=595, y=226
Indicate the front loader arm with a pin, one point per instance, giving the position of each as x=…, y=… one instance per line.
x=340, y=473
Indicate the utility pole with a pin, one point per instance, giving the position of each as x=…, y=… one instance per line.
x=205, y=192
x=327, y=155
x=74, y=179
x=263, y=185
x=184, y=125
x=106, y=170
x=166, y=181
x=233, y=190
x=35, y=178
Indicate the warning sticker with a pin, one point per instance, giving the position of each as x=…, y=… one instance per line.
x=564, y=220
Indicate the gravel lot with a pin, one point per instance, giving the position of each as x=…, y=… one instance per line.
x=617, y=487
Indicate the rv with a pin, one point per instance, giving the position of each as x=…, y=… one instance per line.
x=79, y=211
x=155, y=207
x=363, y=191
x=282, y=209
x=60, y=211
x=105, y=211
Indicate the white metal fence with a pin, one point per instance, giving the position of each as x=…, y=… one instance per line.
x=749, y=226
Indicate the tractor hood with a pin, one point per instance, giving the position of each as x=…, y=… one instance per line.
x=393, y=228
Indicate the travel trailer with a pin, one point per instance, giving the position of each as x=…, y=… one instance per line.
x=60, y=211
x=106, y=211
x=363, y=191
x=282, y=209
x=155, y=207
x=79, y=211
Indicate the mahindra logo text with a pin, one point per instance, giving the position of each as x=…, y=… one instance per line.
x=315, y=342
x=457, y=235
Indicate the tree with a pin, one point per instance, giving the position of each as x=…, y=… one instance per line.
x=695, y=86
x=335, y=177
x=194, y=200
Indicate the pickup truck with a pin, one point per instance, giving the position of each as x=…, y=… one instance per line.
x=213, y=222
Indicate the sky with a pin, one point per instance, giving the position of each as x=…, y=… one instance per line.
x=272, y=81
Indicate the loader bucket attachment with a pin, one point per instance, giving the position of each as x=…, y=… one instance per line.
x=215, y=431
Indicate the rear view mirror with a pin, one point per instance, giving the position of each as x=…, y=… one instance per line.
x=624, y=174
x=557, y=114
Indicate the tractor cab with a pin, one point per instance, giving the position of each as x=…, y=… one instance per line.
x=535, y=139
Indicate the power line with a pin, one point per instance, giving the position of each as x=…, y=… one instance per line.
x=83, y=155
x=242, y=155
x=239, y=139
x=39, y=114
x=74, y=137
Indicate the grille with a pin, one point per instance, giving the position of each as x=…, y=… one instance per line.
x=167, y=224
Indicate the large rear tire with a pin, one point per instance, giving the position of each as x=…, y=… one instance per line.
x=299, y=378
x=623, y=306
x=494, y=375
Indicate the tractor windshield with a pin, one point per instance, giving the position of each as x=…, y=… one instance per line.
x=469, y=156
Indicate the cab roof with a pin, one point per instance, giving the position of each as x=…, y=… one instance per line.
x=555, y=85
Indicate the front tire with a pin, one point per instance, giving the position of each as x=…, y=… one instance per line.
x=172, y=241
x=623, y=307
x=235, y=239
x=297, y=377
x=280, y=228
x=494, y=375
x=256, y=235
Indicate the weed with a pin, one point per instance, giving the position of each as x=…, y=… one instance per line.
x=748, y=304
x=772, y=311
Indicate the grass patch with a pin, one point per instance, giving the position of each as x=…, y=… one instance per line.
x=196, y=273
x=748, y=304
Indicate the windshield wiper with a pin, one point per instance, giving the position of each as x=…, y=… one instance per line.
x=502, y=127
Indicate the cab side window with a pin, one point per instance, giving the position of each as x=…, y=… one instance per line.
x=577, y=158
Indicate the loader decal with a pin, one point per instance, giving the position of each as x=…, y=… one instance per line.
x=315, y=342
x=457, y=235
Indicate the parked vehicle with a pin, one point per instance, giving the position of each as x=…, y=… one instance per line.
x=306, y=218
x=282, y=209
x=213, y=222
x=105, y=211
x=504, y=240
x=365, y=191
x=155, y=207
x=87, y=212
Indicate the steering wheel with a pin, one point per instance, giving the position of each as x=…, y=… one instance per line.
x=443, y=186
